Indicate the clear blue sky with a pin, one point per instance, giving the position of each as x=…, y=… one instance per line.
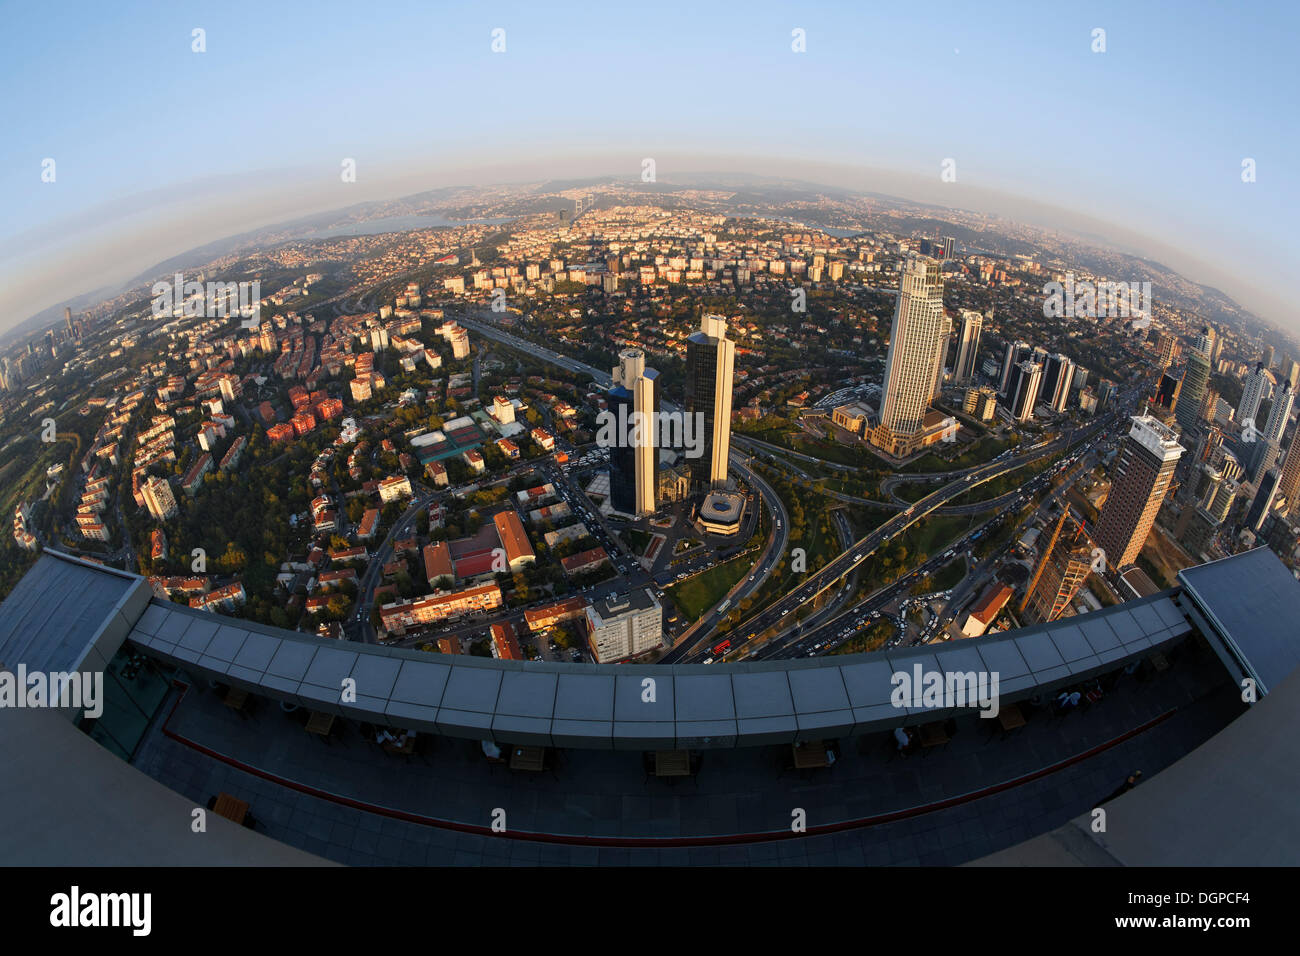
x=1149, y=134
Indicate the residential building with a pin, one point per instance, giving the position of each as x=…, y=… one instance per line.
x=403, y=615
x=986, y=610
x=518, y=550
x=620, y=626
x=158, y=498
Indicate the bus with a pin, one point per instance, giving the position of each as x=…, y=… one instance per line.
x=724, y=605
x=722, y=648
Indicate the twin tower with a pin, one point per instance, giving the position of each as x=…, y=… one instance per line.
x=703, y=432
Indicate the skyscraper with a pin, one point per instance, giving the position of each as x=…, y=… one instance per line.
x=1057, y=374
x=916, y=345
x=945, y=337
x=968, y=345
x=1268, y=356
x=1291, y=370
x=1252, y=394
x=1268, y=440
x=710, y=375
x=1213, y=344
x=1166, y=350
x=1143, y=472
x=634, y=456
x=1023, y=390
x=1195, y=380
x=1066, y=562
x=1167, y=391
x=1262, y=504
x=949, y=245
x=67, y=319
x=1289, y=486
x=1014, y=354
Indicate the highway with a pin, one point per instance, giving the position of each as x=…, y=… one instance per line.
x=815, y=636
x=776, y=614
x=697, y=636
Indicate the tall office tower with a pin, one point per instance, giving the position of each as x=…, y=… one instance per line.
x=1268, y=440
x=1262, y=503
x=1195, y=379
x=158, y=497
x=1058, y=371
x=1289, y=485
x=916, y=342
x=1209, y=446
x=1252, y=394
x=1167, y=391
x=1291, y=370
x=1166, y=350
x=1143, y=471
x=1213, y=343
x=945, y=339
x=67, y=319
x=1015, y=353
x=1065, y=563
x=968, y=346
x=1268, y=356
x=1023, y=389
x=1227, y=463
x=1219, y=503
x=646, y=400
x=634, y=457
x=1206, y=479
x=710, y=376
x=1079, y=381
x=949, y=245
x=1210, y=408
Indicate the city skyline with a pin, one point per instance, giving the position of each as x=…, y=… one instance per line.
x=529, y=436
x=147, y=206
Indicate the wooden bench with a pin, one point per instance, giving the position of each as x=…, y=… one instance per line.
x=231, y=808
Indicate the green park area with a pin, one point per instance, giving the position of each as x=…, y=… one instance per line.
x=697, y=594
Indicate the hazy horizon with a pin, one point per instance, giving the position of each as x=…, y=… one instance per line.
x=1141, y=144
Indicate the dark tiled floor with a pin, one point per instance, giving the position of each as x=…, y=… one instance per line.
x=606, y=794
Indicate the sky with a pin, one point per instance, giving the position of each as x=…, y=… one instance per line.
x=158, y=149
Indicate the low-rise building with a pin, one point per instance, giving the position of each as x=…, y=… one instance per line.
x=985, y=611
x=432, y=608
x=620, y=626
